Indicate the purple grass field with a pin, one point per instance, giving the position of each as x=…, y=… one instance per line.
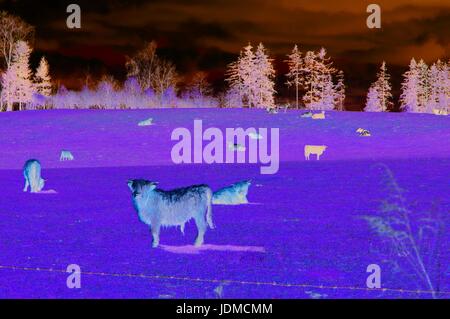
x=302, y=235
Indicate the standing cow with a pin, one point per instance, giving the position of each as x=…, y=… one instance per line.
x=314, y=149
x=158, y=208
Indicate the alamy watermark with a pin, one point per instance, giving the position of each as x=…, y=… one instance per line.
x=73, y=21
x=74, y=279
x=373, y=21
x=374, y=279
x=230, y=147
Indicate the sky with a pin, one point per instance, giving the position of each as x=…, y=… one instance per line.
x=208, y=34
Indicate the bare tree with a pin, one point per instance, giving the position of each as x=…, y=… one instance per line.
x=12, y=29
x=142, y=65
x=152, y=71
x=200, y=84
x=163, y=77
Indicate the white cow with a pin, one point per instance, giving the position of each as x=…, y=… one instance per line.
x=146, y=122
x=314, y=149
x=66, y=156
x=32, y=174
x=232, y=195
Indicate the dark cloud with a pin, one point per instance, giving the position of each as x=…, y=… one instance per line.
x=229, y=24
x=207, y=34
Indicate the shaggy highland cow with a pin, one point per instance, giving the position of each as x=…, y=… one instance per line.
x=232, y=195
x=158, y=208
x=32, y=174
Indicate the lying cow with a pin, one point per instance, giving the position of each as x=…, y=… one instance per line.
x=318, y=116
x=255, y=136
x=314, y=149
x=147, y=122
x=232, y=195
x=439, y=112
x=272, y=110
x=363, y=132
x=236, y=147
x=32, y=174
x=156, y=207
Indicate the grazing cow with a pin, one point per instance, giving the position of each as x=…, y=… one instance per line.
x=32, y=174
x=232, y=195
x=156, y=207
x=318, y=116
x=314, y=149
x=66, y=156
x=146, y=122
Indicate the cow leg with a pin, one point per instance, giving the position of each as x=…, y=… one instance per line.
x=155, y=234
x=318, y=156
x=201, y=229
x=26, y=185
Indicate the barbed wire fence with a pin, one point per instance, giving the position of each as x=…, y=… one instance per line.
x=231, y=281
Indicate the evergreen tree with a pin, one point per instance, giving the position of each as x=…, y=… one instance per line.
x=263, y=73
x=439, y=97
x=329, y=94
x=318, y=72
x=340, y=91
x=240, y=76
x=233, y=77
x=373, y=103
x=42, y=78
x=409, y=97
x=252, y=76
x=423, y=88
x=9, y=87
x=326, y=69
x=246, y=71
x=16, y=81
x=383, y=88
x=311, y=79
x=295, y=64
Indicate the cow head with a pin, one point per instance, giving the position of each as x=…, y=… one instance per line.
x=138, y=186
x=41, y=184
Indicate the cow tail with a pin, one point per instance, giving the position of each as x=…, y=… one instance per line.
x=209, y=208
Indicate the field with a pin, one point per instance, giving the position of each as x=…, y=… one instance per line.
x=302, y=235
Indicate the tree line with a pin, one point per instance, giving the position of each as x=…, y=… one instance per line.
x=153, y=81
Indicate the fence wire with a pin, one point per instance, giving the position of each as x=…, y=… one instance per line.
x=228, y=281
